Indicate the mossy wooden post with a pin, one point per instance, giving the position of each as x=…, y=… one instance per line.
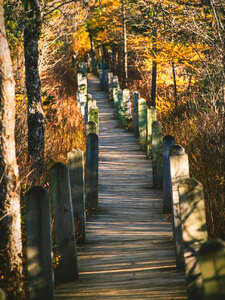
x=179, y=170
x=93, y=116
x=157, y=155
x=88, y=100
x=117, y=102
x=168, y=142
x=135, y=98
x=121, y=108
x=115, y=86
x=67, y=270
x=92, y=171
x=100, y=72
x=76, y=171
x=142, y=122
x=82, y=87
x=151, y=117
x=194, y=233
x=105, y=79
x=127, y=117
x=82, y=98
x=39, y=244
x=91, y=127
x=110, y=84
x=212, y=266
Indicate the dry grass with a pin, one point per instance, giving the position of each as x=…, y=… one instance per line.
x=64, y=129
x=201, y=133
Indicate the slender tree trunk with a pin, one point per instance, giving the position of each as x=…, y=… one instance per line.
x=154, y=64
x=174, y=84
x=36, y=118
x=114, y=60
x=11, y=271
x=125, y=68
x=105, y=56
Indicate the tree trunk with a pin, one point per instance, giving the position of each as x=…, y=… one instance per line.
x=125, y=68
x=154, y=64
x=114, y=60
x=11, y=271
x=36, y=118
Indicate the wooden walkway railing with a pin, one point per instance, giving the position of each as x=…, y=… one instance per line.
x=129, y=250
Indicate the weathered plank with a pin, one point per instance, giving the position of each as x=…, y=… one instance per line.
x=129, y=250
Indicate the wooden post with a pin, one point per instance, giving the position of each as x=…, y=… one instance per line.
x=157, y=154
x=79, y=78
x=117, y=102
x=93, y=116
x=110, y=83
x=92, y=103
x=91, y=127
x=76, y=171
x=67, y=269
x=151, y=117
x=135, y=98
x=88, y=100
x=105, y=79
x=194, y=233
x=100, y=72
x=121, y=108
x=168, y=142
x=179, y=170
x=142, y=122
x=127, y=117
x=83, y=87
x=82, y=103
x=92, y=171
x=115, y=86
x=39, y=245
x=212, y=266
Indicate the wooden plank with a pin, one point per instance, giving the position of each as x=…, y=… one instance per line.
x=129, y=249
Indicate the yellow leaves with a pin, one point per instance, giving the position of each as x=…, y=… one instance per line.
x=56, y=261
x=81, y=43
x=20, y=102
x=221, y=180
x=163, y=104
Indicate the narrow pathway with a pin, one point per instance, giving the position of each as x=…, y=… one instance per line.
x=129, y=251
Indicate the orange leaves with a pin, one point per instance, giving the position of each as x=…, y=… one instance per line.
x=81, y=43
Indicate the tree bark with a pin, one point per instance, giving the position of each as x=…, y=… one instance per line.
x=125, y=68
x=11, y=271
x=36, y=118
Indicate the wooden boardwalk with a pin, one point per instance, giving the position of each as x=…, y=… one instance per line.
x=129, y=251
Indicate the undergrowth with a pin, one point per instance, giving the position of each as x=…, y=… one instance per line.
x=200, y=130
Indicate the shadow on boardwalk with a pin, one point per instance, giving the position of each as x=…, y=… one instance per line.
x=128, y=252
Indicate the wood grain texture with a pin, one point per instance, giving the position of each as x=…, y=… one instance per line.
x=129, y=250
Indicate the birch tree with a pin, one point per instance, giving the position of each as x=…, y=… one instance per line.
x=11, y=272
